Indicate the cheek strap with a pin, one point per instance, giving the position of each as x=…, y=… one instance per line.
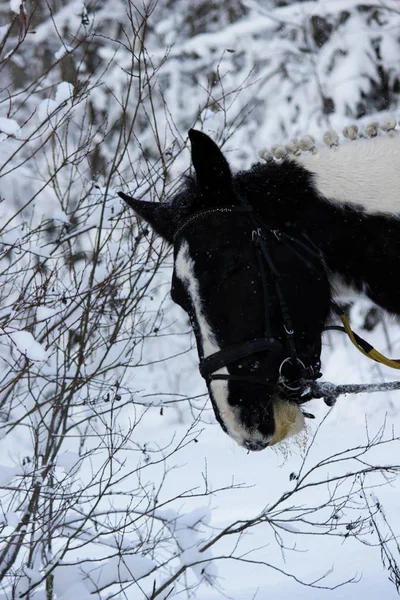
x=236, y=352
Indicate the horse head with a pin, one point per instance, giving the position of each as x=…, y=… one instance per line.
x=256, y=293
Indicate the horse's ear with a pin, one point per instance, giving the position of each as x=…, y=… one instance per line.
x=161, y=217
x=213, y=174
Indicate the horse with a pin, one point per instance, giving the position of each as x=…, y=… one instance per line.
x=257, y=256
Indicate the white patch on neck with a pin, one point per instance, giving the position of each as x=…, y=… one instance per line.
x=364, y=172
x=184, y=270
x=346, y=292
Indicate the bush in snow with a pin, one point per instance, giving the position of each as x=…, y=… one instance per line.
x=92, y=101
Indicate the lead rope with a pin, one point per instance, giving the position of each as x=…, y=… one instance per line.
x=362, y=346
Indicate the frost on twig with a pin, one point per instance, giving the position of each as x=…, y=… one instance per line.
x=330, y=391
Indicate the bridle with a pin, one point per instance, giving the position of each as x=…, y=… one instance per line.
x=262, y=237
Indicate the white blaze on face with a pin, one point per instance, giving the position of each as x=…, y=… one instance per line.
x=364, y=172
x=289, y=419
x=184, y=270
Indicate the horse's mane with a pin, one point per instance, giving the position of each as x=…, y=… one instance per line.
x=361, y=169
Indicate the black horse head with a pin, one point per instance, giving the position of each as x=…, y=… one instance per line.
x=256, y=293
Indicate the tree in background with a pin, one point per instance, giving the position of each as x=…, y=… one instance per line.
x=98, y=98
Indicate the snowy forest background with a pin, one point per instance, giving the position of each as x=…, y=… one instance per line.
x=115, y=480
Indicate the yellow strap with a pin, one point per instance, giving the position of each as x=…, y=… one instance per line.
x=372, y=354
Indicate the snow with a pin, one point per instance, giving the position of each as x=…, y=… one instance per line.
x=69, y=461
x=64, y=92
x=3, y=32
x=56, y=109
x=9, y=126
x=287, y=527
x=43, y=313
x=15, y=6
x=62, y=52
x=112, y=423
x=27, y=345
x=46, y=109
x=7, y=474
x=86, y=578
x=59, y=215
x=74, y=590
x=121, y=569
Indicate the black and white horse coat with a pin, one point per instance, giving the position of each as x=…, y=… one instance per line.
x=326, y=217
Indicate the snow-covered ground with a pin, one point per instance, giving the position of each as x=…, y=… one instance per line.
x=266, y=475
x=127, y=475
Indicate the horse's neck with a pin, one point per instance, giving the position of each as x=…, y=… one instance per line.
x=347, y=202
x=356, y=220
x=363, y=250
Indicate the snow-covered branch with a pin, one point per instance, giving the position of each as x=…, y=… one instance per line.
x=330, y=392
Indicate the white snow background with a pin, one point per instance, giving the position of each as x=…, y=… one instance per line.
x=134, y=510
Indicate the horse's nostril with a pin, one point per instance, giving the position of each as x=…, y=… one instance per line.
x=255, y=445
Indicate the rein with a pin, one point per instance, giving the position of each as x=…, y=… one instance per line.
x=362, y=345
x=235, y=352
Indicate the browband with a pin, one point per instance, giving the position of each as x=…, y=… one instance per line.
x=210, y=211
